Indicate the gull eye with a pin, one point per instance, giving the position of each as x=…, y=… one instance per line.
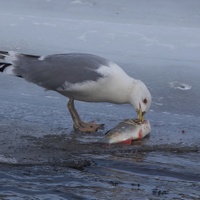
x=145, y=101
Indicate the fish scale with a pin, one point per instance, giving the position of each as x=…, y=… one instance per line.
x=128, y=130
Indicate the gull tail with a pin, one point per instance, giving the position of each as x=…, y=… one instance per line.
x=6, y=64
x=11, y=60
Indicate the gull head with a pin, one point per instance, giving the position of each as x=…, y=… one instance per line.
x=140, y=99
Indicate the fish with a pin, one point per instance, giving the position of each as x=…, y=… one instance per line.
x=127, y=131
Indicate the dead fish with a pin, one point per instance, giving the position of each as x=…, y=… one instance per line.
x=128, y=130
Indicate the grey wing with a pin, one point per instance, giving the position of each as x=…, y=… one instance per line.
x=53, y=71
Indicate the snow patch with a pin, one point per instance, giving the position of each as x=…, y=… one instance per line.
x=4, y=159
x=167, y=113
x=82, y=2
x=23, y=94
x=41, y=58
x=179, y=85
x=52, y=97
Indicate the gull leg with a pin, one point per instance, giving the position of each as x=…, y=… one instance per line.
x=75, y=116
x=78, y=123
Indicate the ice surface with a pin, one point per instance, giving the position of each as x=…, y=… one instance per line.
x=156, y=41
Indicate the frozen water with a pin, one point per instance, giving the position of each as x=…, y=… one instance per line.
x=156, y=41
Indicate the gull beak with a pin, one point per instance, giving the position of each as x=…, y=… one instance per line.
x=140, y=115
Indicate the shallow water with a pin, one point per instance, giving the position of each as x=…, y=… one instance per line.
x=57, y=165
x=108, y=177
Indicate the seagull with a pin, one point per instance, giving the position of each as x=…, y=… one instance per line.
x=82, y=77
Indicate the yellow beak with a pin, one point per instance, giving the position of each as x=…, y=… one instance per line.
x=140, y=115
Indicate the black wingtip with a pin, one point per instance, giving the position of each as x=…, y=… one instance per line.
x=3, y=66
x=2, y=54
